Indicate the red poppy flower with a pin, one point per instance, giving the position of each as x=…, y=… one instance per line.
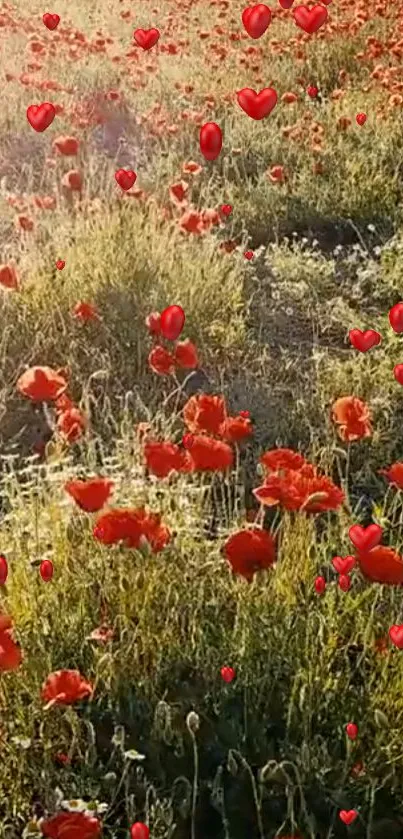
x=296, y=491
x=41, y=384
x=130, y=526
x=192, y=222
x=394, y=474
x=71, y=424
x=8, y=277
x=71, y=826
x=204, y=413
x=249, y=551
x=164, y=458
x=277, y=174
x=209, y=455
x=161, y=361
x=63, y=403
x=73, y=181
x=178, y=192
x=153, y=323
x=10, y=651
x=68, y=146
x=102, y=634
x=90, y=495
x=352, y=417
x=186, y=355
x=64, y=687
x=278, y=460
x=236, y=429
x=85, y=311
x=382, y=565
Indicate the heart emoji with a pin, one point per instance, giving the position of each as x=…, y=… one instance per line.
x=344, y=582
x=396, y=318
x=310, y=19
x=257, y=105
x=343, y=564
x=172, y=322
x=125, y=178
x=228, y=674
x=51, y=21
x=256, y=19
x=46, y=570
x=351, y=730
x=249, y=254
x=348, y=816
x=363, y=341
x=396, y=635
x=365, y=538
x=286, y=4
x=41, y=116
x=3, y=570
x=146, y=38
x=226, y=209
x=320, y=585
x=398, y=373
x=60, y=264
x=360, y=119
x=210, y=140
x=312, y=91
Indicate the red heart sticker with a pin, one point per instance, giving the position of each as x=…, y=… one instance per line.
x=146, y=38
x=348, y=816
x=363, y=341
x=396, y=635
x=256, y=19
x=343, y=564
x=41, y=116
x=172, y=322
x=210, y=140
x=310, y=19
x=228, y=674
x=365, y=538
x=51, y=21
x=257, y=105
x=125, y=178
x=396, y=318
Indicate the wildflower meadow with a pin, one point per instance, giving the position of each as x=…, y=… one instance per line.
x=201, y=420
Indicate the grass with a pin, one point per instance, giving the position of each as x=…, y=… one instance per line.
x=269, y=756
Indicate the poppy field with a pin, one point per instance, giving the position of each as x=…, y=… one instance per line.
x=201, y=420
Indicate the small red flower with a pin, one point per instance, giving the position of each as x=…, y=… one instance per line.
x=67, y=146
x=71, y=826
x=382, y=565
x=64, y=687
x=249, y=551
x=161, y=361
x=352, y=417
x=394, y=474
x=236, y=429
x=204, y=413
x=186, y=355
x=85, y=312
x=41, y=384
x=296, y=491
x=153, y=323
x=10, y=652
x=90, y=495
x=9, y=277
x=278, y=460
x=164, y=458
x=130, y=526
x=209, y=455
x=71, y=424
